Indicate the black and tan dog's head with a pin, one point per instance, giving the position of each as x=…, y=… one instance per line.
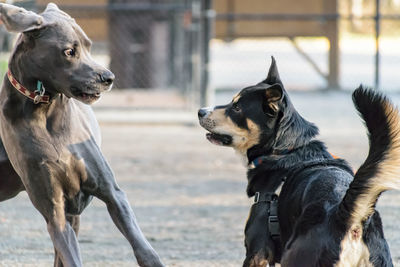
x=249, y=118
x=53, y=49
x=256, y=119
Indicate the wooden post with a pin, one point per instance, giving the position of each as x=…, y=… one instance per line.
x=333, y=37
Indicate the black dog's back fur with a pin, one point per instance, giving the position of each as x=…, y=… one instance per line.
x=314, y=219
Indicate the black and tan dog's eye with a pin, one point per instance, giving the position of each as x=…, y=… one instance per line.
x=236, y=108
x=69, y=52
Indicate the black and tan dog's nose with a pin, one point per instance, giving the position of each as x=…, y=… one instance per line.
x=202, y=112
x=107, y=77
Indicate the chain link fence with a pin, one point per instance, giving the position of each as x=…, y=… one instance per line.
x=148, y=44
x=360, y=46
x=165, y=44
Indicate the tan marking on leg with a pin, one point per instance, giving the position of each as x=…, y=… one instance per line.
x=258, y=260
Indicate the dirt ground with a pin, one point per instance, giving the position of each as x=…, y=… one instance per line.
x=188, y=195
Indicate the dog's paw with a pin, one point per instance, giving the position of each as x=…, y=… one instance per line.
x=257, y=260
x=148, y=258
x=258, y=263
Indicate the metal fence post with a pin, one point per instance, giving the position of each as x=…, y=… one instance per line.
x=207, y=17
x=377, y=34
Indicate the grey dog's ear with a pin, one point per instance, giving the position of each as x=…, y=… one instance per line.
x=17, y=19
x=51, y=6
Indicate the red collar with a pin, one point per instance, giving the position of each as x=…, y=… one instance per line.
x=37, y=96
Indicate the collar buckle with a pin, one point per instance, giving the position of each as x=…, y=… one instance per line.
x=39, y=92
x=37, y=96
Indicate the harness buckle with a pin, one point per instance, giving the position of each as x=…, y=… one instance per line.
x=256, y=197
x=273, y=222
x=273, y=225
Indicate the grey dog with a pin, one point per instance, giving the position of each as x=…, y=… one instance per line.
x=50, y=140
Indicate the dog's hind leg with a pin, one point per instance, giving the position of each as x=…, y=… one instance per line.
x=74, y=221
x=10, y=183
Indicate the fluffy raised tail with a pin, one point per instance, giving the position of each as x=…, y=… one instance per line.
x=381, y=169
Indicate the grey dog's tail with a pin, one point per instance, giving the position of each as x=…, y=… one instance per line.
x=381, y=170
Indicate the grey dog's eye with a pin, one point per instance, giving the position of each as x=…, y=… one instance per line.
x=69, y=52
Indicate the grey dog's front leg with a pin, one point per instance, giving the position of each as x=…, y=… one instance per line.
x=48, y=199
x=74, y=221
x=65, y=243
x=124, y=218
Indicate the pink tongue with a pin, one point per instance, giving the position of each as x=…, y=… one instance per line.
x=215, y=142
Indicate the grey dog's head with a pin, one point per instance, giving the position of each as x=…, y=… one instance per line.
x=53, y=49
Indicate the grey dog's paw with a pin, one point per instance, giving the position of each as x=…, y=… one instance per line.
x=148, y=258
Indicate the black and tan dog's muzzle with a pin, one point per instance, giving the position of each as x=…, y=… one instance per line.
x=209, y=124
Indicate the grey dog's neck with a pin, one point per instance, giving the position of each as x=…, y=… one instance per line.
x=18, y=106
x=19, y=65
x=21, y=71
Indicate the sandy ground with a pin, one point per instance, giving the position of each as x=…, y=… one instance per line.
x=188, y=195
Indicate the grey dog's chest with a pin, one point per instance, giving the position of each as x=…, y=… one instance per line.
x=81, y=167
x=76, y=205
x=62, y=144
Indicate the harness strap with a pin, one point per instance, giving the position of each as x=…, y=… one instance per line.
x=273, y=222
x=271, y=200
x=261, y=159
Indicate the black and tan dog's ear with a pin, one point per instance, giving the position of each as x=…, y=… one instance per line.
x=273, y=74
x=17, y=19
x=273, y=95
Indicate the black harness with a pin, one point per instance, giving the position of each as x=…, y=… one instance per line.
x=271, y=198
x=271, y=202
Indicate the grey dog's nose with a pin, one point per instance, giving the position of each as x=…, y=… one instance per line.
x=202, y=112
x=107, y=77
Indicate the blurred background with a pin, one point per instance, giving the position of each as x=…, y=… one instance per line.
x=171, y=57
x=194, y=49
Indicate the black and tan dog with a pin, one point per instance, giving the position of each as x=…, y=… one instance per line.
x=326, y=214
